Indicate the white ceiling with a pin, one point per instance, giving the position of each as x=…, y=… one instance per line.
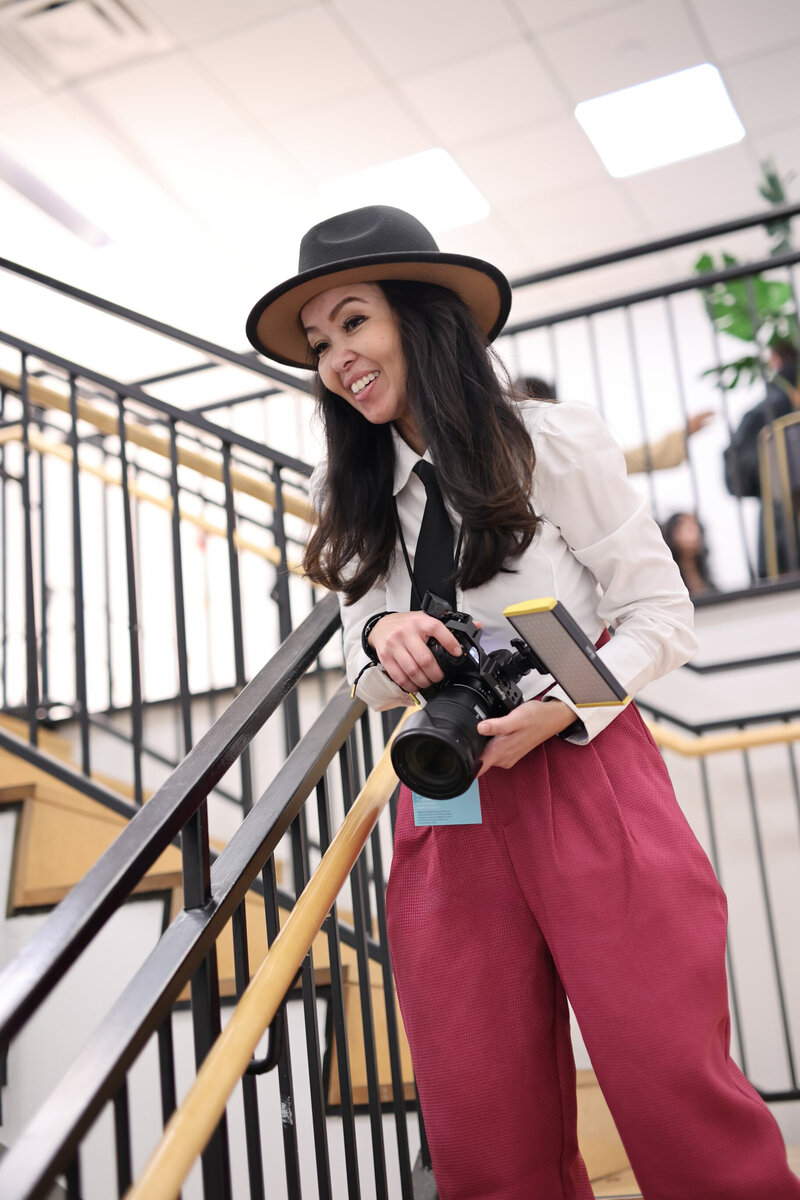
x=201, y=157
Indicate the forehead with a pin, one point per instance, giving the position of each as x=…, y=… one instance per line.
x=317, y=310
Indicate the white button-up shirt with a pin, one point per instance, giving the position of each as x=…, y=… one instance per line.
x=597, y=550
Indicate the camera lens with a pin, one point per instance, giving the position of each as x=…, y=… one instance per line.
x=438, y=751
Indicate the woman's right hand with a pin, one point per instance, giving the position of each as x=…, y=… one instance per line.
x=401, y=642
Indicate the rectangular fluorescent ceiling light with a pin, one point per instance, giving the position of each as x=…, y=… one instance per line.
x=431, y=185
x=662, y=121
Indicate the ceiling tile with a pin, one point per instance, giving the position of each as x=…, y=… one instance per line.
x=699, y=191
x=488, y=240
x=766, y=90
x=463, y=103
x=587, y=221
x=623, y=47
x=739, y=29
x=322, y=138
x=532, y=162
x=163, y=105
x=288, y=64
x=15, y=87
x=544, y=14
x=416, y=35
x=198, y=20
x=245, y=190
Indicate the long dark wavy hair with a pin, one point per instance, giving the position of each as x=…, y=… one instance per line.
x=481, y=449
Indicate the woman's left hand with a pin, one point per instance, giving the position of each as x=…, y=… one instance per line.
x=521, y=730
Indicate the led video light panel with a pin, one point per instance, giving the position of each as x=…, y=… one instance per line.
x=566, y=652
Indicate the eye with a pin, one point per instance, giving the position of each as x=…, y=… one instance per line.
x=353, y=322
x=318, y=348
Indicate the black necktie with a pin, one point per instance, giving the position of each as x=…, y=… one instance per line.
x=433, y=558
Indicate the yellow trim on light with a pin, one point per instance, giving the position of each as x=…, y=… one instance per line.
x=542, y=604
x=602, y=703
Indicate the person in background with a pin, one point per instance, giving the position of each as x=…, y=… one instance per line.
x=580, y=879
x=685, y=538
x=660, y=455
x=741, y=459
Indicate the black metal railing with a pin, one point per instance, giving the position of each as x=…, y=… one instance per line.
x=324, y=772
x=79, y=508
x=648, y=357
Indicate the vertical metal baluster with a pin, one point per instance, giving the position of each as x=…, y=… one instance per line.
x=252, y=1126
x=236, y=612
x=556, y=371
x=139, y=577
x=714, y=855
x=107, y=589
x=339, y=1013
x=73, y=1178
x=31, y=647
x=681, y=390
x=309, y=991
x=392, y=1030
x=773, y=939
x=789, y=549
x=166, y=1068
x=44, y=590
x=290, y=1150
x=595, y=361
x=122, y=1139
x=206, y=1020
x=133, y=608
x=3, y=561
x=282, y=596
x=360, y=911
x=793, y=773
x=637, y=386
x=206, y=1027
x=177, y=581
x=77, y=583
x=723, y=395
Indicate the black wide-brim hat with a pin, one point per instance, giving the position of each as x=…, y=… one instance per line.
x=366, y=246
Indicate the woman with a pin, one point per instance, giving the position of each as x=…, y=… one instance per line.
x=686, y=541
x=582, y=879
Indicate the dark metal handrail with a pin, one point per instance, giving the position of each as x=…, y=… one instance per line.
x=248, y=361
x=49, y=1141
x=694, y=283
x=659, y=245
x=26, y=982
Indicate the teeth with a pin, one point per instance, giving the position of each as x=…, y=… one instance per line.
x=361, y=383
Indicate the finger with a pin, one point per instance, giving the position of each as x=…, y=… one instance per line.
x=446, y=639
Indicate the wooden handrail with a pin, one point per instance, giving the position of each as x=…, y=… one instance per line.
x=192, y=1124
x=719, y=743
x=140, y=435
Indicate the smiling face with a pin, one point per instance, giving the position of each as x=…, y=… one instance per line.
x=355, y=336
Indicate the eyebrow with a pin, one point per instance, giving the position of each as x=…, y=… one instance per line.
x=335, y=310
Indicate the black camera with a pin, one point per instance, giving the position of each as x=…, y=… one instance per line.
x=438, y=750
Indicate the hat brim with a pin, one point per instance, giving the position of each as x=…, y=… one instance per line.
x=274, y=328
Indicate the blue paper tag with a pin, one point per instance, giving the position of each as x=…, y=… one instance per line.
x=460, y=810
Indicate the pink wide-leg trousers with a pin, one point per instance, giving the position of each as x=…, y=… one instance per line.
x=583, y=881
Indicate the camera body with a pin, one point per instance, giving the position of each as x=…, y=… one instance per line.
x=438, y=751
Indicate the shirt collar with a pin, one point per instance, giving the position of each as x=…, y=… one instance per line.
x=405, y=459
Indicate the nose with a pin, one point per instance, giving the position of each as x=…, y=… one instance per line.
x=342, y=356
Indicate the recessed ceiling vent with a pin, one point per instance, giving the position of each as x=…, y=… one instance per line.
x=70, y=40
